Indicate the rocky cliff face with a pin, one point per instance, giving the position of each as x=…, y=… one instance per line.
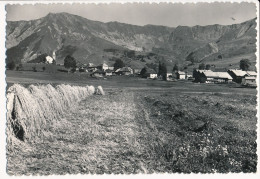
x=92, y=41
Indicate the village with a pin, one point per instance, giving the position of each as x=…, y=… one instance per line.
x=245, y=78
x=202, y=74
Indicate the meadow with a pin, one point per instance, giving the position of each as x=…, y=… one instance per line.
x=140, y=126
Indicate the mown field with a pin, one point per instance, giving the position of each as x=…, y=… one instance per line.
x=142, y=126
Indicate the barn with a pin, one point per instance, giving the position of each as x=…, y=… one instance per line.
x=249, y=81
x=208, y=76
x=238, y=75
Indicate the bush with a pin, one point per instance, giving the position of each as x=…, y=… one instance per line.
x=11, y=65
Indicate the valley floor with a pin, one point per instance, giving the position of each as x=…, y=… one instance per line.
x=129, y=131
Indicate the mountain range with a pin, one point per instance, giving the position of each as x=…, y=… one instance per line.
x=87, y=41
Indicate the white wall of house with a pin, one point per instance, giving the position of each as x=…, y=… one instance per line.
x=108, y=73
x=105, y=67
x=182, y=76
x=49, y=59
x=152, y=75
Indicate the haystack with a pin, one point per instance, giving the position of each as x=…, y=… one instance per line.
x=100, y=91
x=29, y=109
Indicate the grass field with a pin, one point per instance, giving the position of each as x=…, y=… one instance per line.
x=144, y=126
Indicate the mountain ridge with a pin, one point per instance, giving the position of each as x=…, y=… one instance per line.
x=88, y=40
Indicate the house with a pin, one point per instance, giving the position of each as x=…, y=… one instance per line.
x=108, y=72
x=111, y=68
x=168, y=76
x=137, y=71
x=180, y=75
x=238, y=75
x=98, y=74
x=83, y=69
x=91, y=67
x=151, y=73
x=102, y=67
x=249, y=81
x=124, y=71
x=189, y=77
x=49, y=60
x=208, y=76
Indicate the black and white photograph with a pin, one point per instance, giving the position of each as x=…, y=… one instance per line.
x=131, y=88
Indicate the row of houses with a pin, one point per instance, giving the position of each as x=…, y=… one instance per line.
x=152, y=74
x=105, y=70
x=247, y=78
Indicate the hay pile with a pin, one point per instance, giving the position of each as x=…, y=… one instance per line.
x=29, y=109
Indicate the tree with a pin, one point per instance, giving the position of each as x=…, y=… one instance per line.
x=69, y=62
x=34, y=68
x=175, y=68
x=208, y=67
x=143, y=72
x=118, y=64
x=130, y=53
x=202, y=66
x=159, y=69
x=164, y=71
x=11, y=65
x=244, y=64
x=19, y=67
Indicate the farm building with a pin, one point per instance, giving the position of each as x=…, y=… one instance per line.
x=151, y=73
x=180, y=75
x=137, y=71
x=91, y=67
x=189, y=77
x=208, y=76
x=97, y=73
x=111, y=68
x=124, y=71
x=251, y=73
x=83, y=69
x=249, y=81
x=238, y=75
x=108, y=72
x=102, y=67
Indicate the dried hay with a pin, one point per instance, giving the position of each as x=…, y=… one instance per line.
x=29, y=109
x=100, y=91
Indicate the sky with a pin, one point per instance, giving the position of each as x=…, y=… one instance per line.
x=167, y=14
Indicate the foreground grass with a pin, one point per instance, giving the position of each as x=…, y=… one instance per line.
x=133, y=132
x=204, y=133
